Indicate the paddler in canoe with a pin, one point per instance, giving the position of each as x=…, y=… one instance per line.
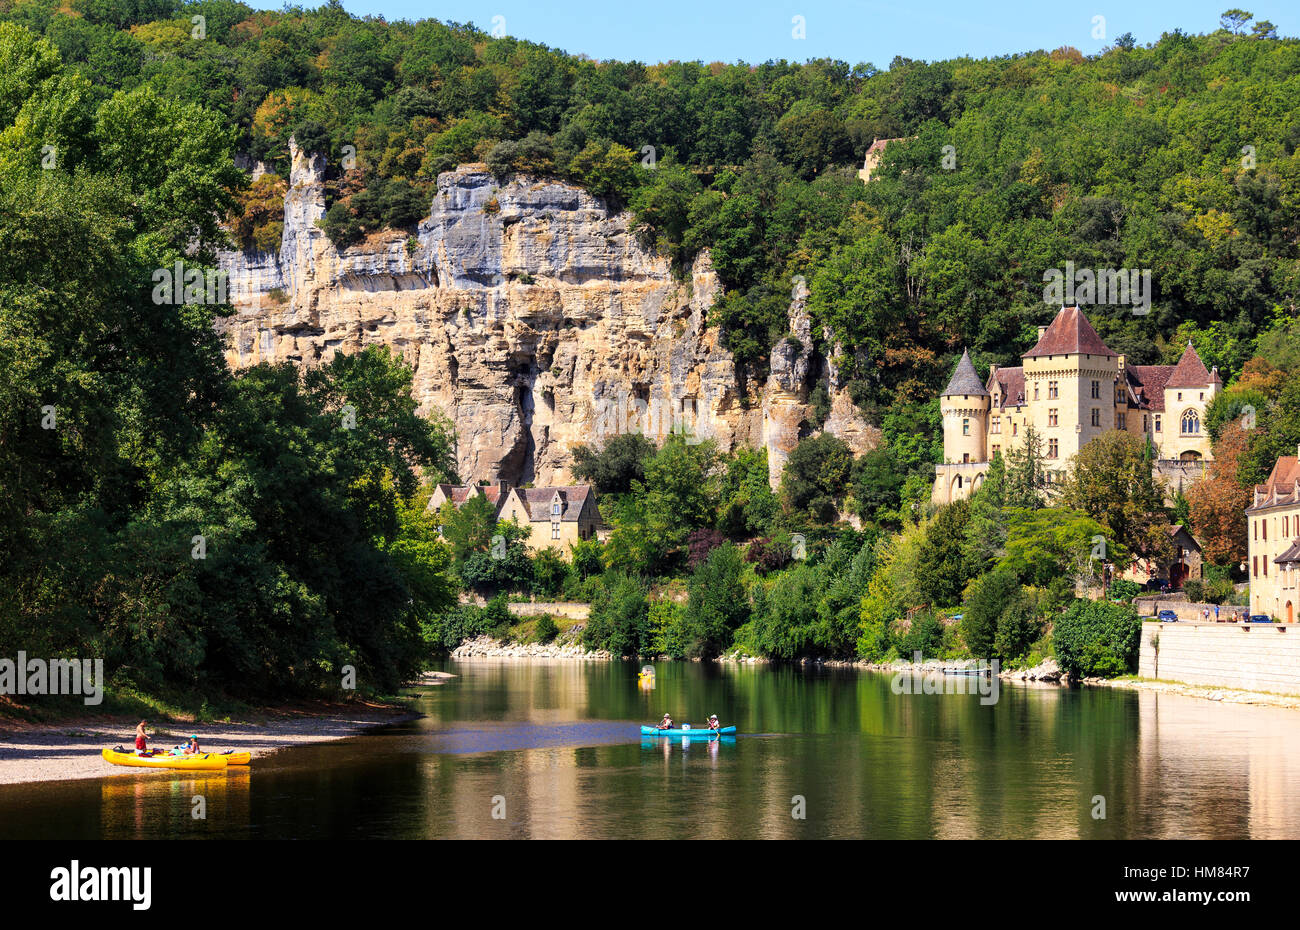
x=713, y=722
x=666, y=723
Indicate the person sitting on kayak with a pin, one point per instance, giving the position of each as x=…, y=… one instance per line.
x=189, y=749
x=141, y=745
x=666, y=723
x=713, y=722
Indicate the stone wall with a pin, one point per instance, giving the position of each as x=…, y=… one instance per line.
x=1251, y=656
x=1178, y=603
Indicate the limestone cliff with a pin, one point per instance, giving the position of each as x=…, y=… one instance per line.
x=532, y=318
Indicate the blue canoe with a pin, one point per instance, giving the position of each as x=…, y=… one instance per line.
x=702, y=731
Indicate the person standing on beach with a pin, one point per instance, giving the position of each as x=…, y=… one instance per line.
x=141, y=745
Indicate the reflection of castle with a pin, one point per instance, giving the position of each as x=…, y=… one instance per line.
x=1071, y=389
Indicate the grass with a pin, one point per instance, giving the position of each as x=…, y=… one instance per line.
x=525, y=629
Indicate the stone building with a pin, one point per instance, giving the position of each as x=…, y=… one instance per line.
x=1273, y=542
x=554, y=516
x=873, y=156
x=1070, y=389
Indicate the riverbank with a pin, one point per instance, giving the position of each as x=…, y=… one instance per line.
x=1205, y=692
x=485, y=647
x=71, y=749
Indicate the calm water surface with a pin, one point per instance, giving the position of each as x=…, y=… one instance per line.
x=554, y=747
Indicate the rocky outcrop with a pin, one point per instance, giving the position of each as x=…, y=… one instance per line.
x=532, y=318
x=485, y=647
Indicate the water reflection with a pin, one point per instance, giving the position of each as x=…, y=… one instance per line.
x=553, y=750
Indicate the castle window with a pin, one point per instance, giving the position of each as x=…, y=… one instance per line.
x=1051, y=417
x=1202, y=395
x=997, y=449
x=1096, y=416
x=997, y=425
x=1015, y=428
x=959, y=482
x=1053, y=390
x=1157, y=423
x=1191, y=423
x=1180, y=395
x=1053, y=449
x=1035, y=390
x=1096, y=389
x=555, y=531
x=1144, y=422
x=965, y=427
x=1254, y=565
x=555, y=508
x=1123, y=421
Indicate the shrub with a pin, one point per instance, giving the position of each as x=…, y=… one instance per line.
x=1097, y=638
x=1125, y=589
x=546, y=630
x=1018, y=628
x=497, y=617
x=924, y=636
x=619, y=621
x=987, y=598
x=446, y=631
x=549, y=573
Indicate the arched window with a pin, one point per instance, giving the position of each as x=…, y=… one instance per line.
x=1191, y=423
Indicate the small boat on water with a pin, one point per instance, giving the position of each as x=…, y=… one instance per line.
x=163, y=759
x=676, y=731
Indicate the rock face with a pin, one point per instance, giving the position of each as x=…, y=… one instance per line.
x=532, y=318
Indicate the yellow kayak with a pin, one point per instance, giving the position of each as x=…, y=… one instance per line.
x=161, y=759
x=236, y=758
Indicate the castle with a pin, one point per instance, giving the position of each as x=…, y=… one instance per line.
x=1071, y=389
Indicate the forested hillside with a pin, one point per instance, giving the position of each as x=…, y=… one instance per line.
x=257, y=534
x=1179, y=157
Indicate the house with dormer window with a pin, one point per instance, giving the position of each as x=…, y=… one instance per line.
x=554, y=516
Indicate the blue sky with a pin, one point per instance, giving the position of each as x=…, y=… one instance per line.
x=851, y=30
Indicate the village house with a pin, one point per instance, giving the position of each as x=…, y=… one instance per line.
x=1273, y=542
x=1069, y=390
x=554, y=516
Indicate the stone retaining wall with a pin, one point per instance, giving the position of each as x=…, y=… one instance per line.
x=1251, y=656
x=1178, y=603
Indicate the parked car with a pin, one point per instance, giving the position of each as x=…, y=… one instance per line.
x=1168, y=616
x=1260, y=618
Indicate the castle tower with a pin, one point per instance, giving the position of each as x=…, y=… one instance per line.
x=1072, y=387
x=964, y=405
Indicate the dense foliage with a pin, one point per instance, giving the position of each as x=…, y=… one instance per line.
x=1179, y=157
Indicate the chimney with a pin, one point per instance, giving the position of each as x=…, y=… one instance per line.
x=505, y=489
x=1121, y=363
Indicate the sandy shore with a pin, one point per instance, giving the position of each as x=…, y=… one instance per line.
x=71, y=749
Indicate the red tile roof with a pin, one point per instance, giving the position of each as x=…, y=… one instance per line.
x=1190, y=371
x=1281, y=486
x=1148, y=383
x=1012, y=384
x=1070, y=334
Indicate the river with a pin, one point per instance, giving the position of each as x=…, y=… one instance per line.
x=550, y=749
